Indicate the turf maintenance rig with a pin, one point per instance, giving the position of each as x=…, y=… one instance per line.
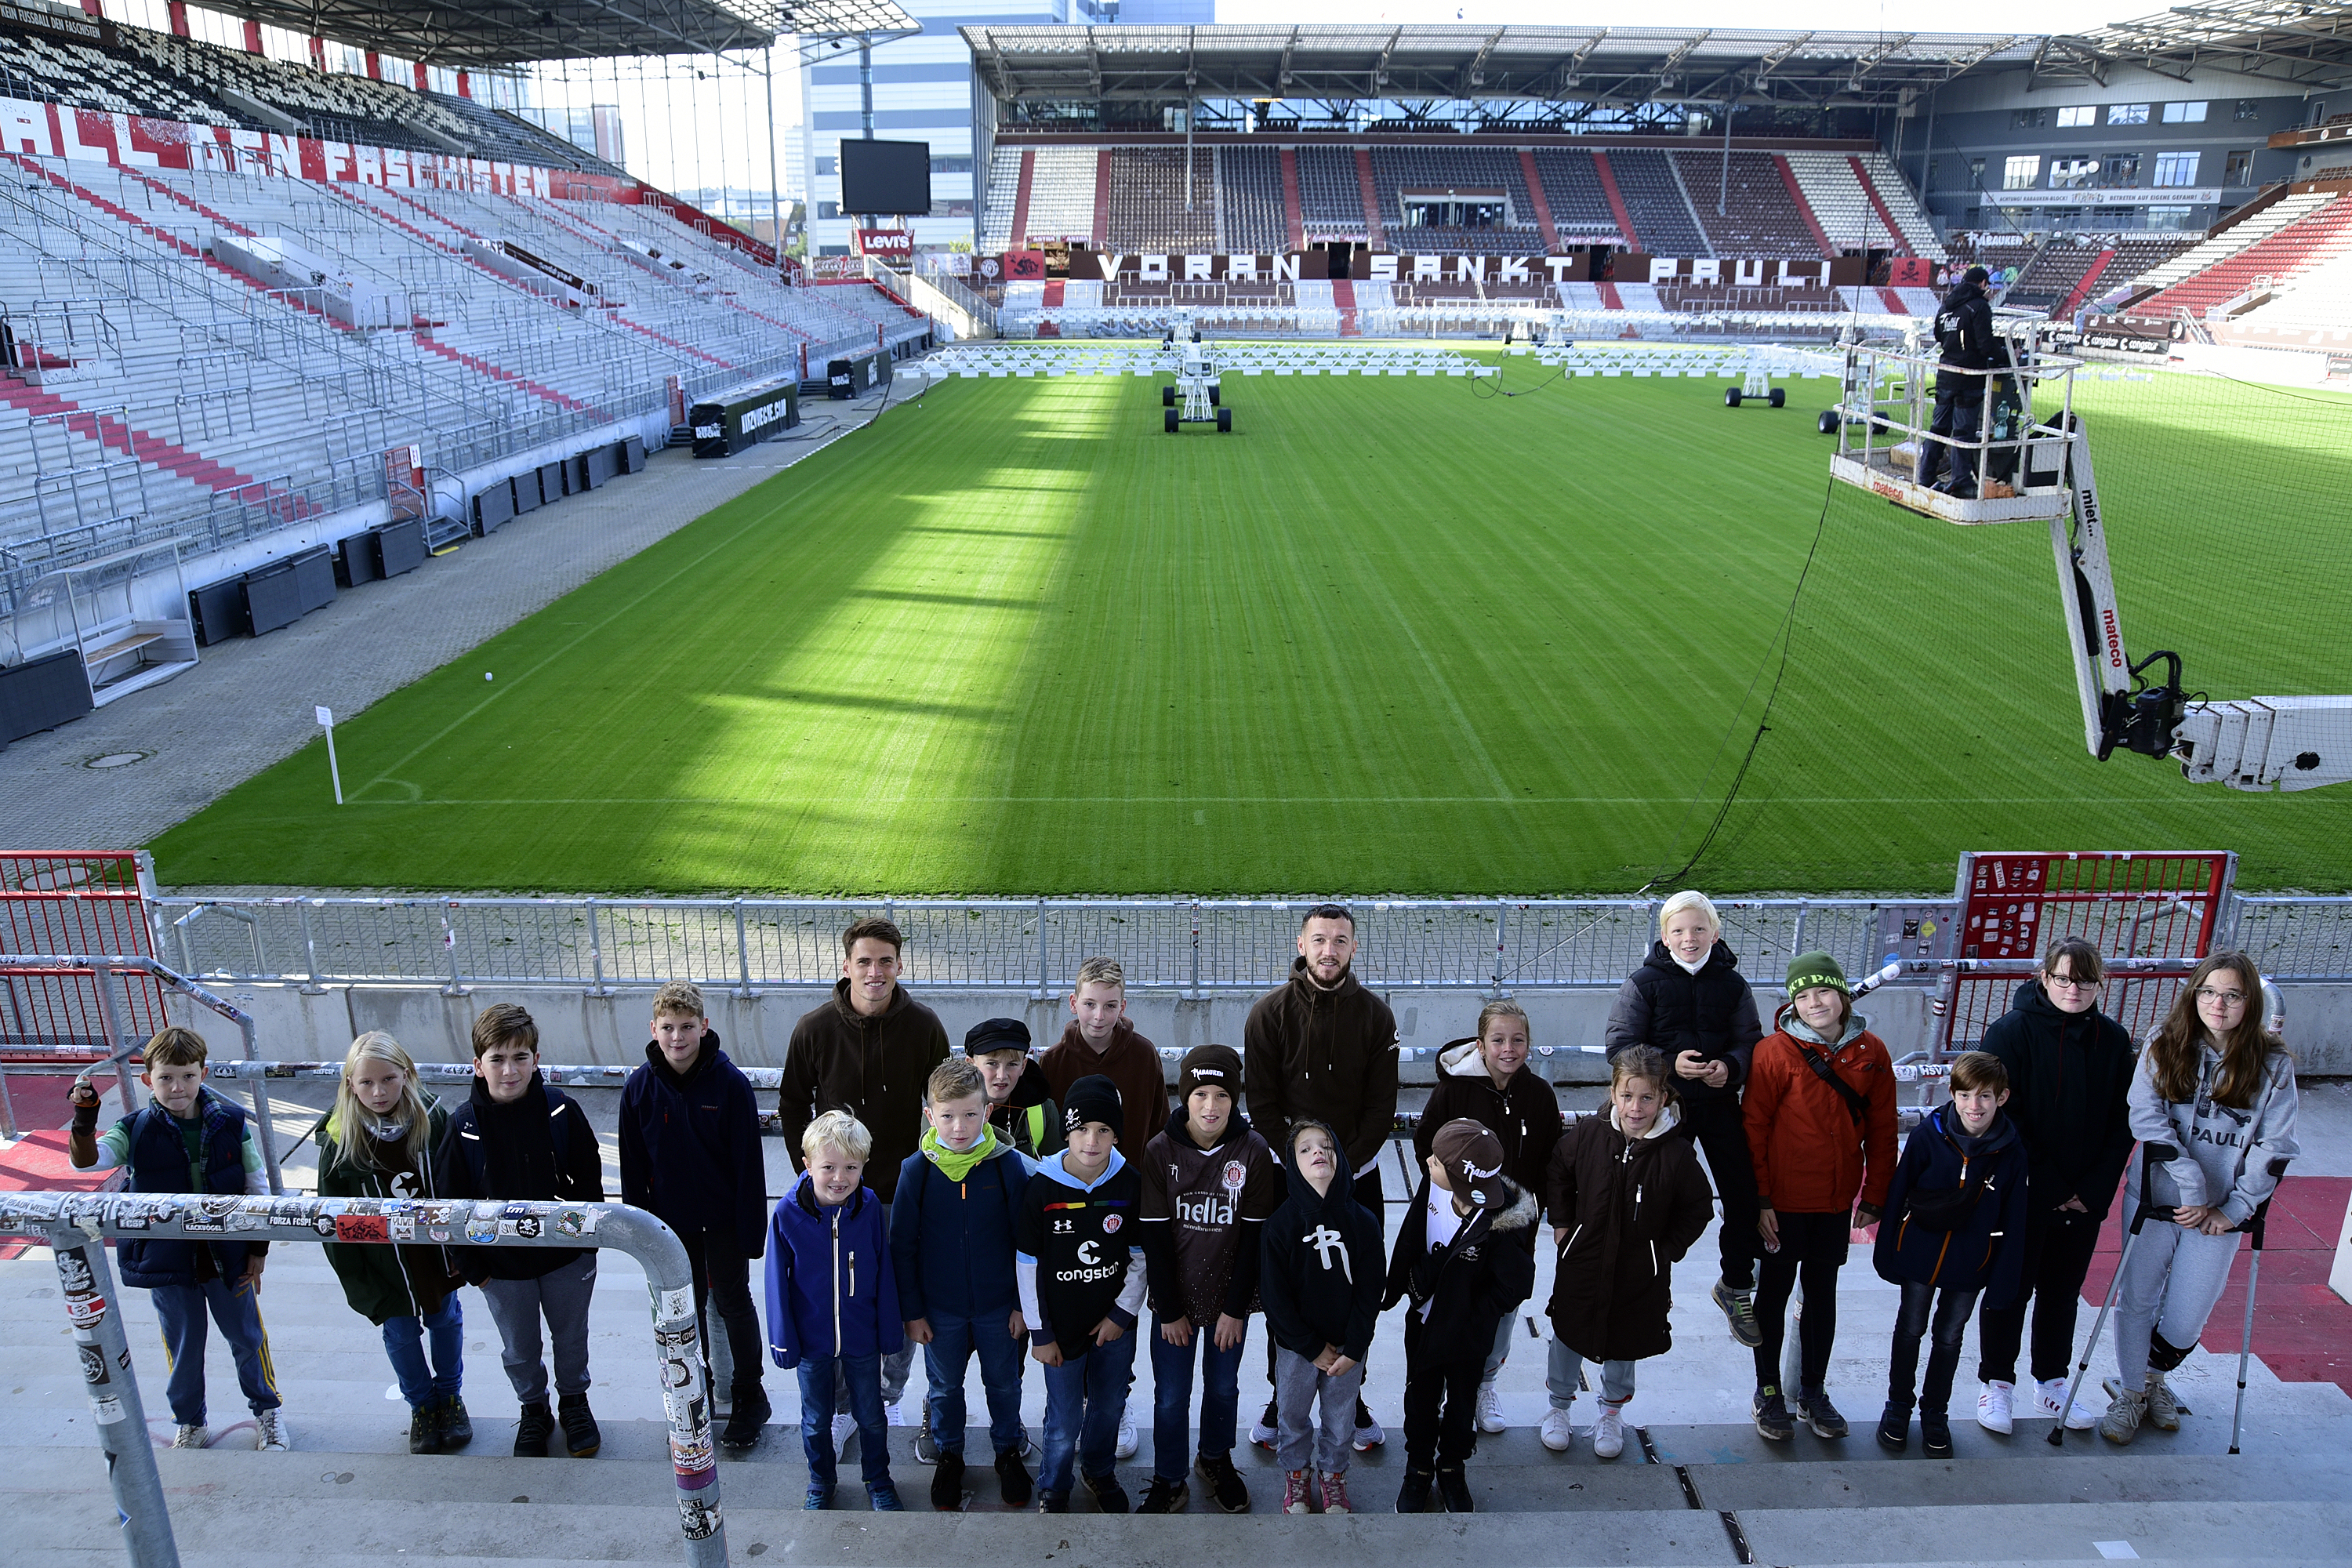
x=2032, y=462
x=1193, y=399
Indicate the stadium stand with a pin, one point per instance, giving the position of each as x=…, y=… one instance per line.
x=1396, y=170
x=1149, y=210
x=1664, y=223
x=1249, y=186
x=2314, y=311
x=1760, y=216
x=1579, y=206
x=1003, y=189
x=1061, y=193
x=2318, y=237
x=2226, y=242
x=1332, y=202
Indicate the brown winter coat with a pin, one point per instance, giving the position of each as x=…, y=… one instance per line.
x=874, y=1069
x=1129, y=1061
x=1330, y=1056
x=1631, y=1207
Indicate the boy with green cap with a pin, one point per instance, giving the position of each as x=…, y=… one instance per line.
x=1820, y=1116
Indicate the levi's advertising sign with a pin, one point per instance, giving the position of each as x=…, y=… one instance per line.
x=889, y=244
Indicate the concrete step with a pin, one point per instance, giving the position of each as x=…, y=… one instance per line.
x=482, y=1507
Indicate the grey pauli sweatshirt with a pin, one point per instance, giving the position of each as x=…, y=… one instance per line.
x=2225, y=1154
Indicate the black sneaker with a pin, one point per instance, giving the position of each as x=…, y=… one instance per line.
x=1110, y=1496
x=1164, y=1497
x=947, y=1483
x=1813, y=1405
x=1454, y=1485
x=533, y=1427
x=1772, y=1412
x=456, y=1426
x=1895, y=1428
x=1225, y=1488
x=1013, y=1478
x=1413, y=1496
x=745, y=1418
x=425, y=1430
x=1053, y=1502
x=1935, y=1434
x=580, y=1434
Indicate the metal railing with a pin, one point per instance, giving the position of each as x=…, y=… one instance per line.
x=1193, y=946
x=74, y=1226
x=122, y=1042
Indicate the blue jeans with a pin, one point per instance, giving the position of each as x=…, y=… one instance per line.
x=181, y=1310
x=404, y=1342
x=1171, y=1398
x=862, y=1376
x=954, y=1341
x=1084, y=1397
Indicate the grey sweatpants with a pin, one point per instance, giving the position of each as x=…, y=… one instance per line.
x=1311, y=1439
x=2172, y=1281
x=560, y=1294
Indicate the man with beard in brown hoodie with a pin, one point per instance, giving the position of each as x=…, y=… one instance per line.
x=867, y=1050
x=1321, y=1047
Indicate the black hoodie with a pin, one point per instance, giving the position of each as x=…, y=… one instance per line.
x=1471, y=1281
x=538, y=1147
x=1319, y=1268
x=690, y=1147
x=1308, y=1054
x=2069, y=1074
x=1713, y=1013
x=1034, y=1135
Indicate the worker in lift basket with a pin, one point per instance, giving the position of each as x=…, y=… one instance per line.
x=1964, y=335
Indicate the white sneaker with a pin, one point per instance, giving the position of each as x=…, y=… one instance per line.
x=1608, y=1432
x=895, y=1415
x=2047, y=1398
x=1369, y=1435
x=270, y=1432
x=191, y=1435
x=1490, y=1410
x=844, y=1426
x=1558, y=1432
x=1124, y=1448
x=1992, y=1407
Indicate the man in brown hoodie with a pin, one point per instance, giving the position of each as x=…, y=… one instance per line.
x=1322, y=1048
x=867, y=1050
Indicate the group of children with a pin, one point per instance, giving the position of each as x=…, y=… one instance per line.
x=1040, y=1209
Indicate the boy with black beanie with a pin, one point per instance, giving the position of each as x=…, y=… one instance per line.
x=1460, y=1263
x=1210, y=1182
x=1081, y=1274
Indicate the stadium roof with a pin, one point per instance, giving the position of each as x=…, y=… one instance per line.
x=1453, y=61
x=2294, y=41
x=512, y=32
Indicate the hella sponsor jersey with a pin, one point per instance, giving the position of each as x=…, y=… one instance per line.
x=1204, y=1197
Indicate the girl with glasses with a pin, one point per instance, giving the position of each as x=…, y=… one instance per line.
x=2220, y=1088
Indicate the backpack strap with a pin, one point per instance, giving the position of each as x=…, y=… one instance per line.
x=1855, y=1105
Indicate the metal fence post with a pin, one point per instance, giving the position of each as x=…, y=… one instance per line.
x=1044, y=979
x=1502, y=911
x=1797, y=936
x=456, y=987
x=88, y=1285
x=743, y=954
x=311, y=987
x=1196, y=947
x=595, y=953
x=117, y=1046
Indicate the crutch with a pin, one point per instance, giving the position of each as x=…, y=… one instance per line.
x=2151, y=1155
x=2252, y=1227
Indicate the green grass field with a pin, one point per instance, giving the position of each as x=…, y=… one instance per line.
x=1388, y=637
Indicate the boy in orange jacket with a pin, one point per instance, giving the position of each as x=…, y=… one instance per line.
x=1820, y=1116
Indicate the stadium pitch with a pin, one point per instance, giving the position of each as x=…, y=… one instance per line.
x=1390, y=636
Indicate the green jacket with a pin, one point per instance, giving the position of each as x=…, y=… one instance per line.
x=385, y=1282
